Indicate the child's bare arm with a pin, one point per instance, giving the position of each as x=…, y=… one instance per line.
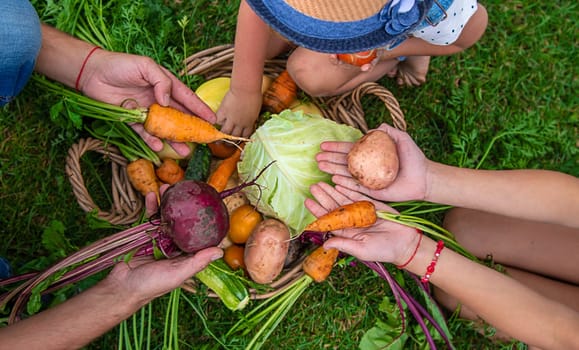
x=240, y=107
x=471, y=33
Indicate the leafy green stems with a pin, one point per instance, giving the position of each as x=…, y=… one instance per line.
x=128, y=142
x=142, y=240
x=138, y=327
x=275, y=309
x=80, y=105
x=433, y=230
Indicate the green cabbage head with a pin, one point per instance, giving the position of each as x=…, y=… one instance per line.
x=291, y=140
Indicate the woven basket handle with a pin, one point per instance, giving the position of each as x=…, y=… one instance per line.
x=127, y=204
x=347, y=108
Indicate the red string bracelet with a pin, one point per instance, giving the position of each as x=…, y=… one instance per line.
x=430, y=268
x=83, y=65
x=413, y=253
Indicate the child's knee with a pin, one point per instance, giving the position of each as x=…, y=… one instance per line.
x=307, y=80
x=308, y=73
x=454, y=220
x=459, y=222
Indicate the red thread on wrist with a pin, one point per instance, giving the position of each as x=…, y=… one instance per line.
x=413, y=253
x=430, y=268
x=83, y=65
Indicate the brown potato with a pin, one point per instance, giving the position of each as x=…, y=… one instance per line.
x=373, y=160
x=266, y=250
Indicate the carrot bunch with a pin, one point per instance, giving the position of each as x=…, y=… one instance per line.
x=145, y=170
x=166, y=123
x=218, y=178
x=281, y=93
x=319, y=263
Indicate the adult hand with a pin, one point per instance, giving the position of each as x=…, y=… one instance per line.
x=143, y=279
x=238, y=112
x=384, y=241
x=151, y=201
x=410, y=184
x=137, y=81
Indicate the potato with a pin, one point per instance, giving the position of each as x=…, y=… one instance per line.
x=373, y=160
x=266, y=250
x=237, y=199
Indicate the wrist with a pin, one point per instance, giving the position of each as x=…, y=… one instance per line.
x=423, y=257
x=86, y=69
x=119, y=294
x=411, y=250
x=434, y=174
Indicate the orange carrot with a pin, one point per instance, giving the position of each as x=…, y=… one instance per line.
x=358, y=58
x=319, y=263
x=171, y=124
x=141, y=173
x=221, y=149
x=170, y=171
x=281, y=93
x=353, y=215
x=218, y=179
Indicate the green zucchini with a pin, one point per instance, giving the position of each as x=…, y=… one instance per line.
x=198, y=167
x=219, y=277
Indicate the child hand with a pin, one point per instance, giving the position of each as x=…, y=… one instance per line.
x=238, y=112
x=366, y=60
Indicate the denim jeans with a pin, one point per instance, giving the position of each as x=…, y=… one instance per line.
x=20, y=40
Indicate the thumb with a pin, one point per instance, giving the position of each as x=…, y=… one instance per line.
x=197, y=262
x=161, y=84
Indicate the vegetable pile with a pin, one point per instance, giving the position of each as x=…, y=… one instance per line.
x=290, y=140
x=248, y=198
x=193, y=217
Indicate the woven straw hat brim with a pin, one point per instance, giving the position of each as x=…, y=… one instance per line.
x=329, y=36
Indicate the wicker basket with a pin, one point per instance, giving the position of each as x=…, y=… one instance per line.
x=346, y=108
x=127, y=206
x=212, y=63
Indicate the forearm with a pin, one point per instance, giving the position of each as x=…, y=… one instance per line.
x=471, y=33
x=61, y=55
x=500, y=300
x=72, y=324
x=540, y=195
x=251, y=39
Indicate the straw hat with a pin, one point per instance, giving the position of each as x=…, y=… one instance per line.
x=343, y=26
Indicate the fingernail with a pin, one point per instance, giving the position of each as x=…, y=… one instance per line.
x=216, y=257
x=166, y=100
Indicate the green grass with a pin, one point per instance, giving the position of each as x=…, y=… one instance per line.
x=515, y=90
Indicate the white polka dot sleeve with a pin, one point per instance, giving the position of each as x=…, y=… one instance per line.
x=448, y=30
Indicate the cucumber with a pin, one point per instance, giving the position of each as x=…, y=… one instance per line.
x=219, y=277
x=198, y=167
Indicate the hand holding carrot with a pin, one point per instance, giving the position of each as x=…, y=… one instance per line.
x=384, y=241
x=123, y=79
x=410, y=184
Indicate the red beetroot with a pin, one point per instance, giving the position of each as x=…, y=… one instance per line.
x=193, y=215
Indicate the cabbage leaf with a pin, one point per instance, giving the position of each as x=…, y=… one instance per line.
x=291, y=140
